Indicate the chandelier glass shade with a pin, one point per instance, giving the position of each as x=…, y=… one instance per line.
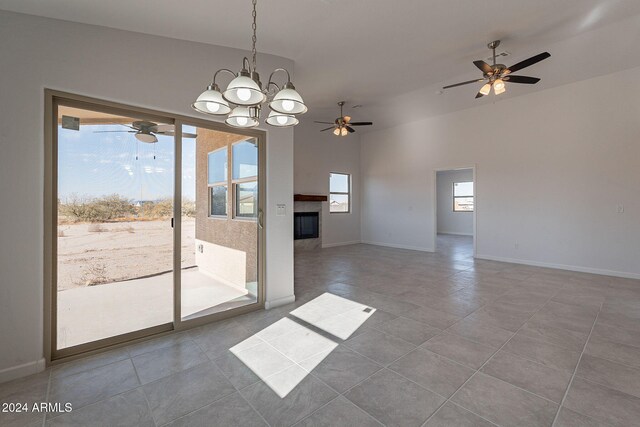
x=244, y=91
x=281, y=120
x=242, y=117
x=211, y=102
x=244, y=96
x=288, y=101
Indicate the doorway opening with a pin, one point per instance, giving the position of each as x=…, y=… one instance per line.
x=455, y=212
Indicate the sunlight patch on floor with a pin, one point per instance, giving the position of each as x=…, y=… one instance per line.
x=333, y=314
x=284, y=353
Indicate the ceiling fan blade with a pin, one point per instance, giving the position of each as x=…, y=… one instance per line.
x=528, y=62
x=521, y=79
x=324, y=123
x=122, y=124
x=184, y=134
x=106, y=131
x=484, y=67
x=463, y=83
x=479, y=95
x=350, y=129
x=361, y=124
x=331, y=127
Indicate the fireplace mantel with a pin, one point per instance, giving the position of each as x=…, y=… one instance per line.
x=309, y=198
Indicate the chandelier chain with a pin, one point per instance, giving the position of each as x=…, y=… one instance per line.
x=254, y=38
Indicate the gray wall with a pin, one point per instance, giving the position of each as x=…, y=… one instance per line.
x=450, y=222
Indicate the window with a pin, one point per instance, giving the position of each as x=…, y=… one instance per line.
x=245, y=178
x=247, y=199
x=217, y=181
x=339, y=193
x=463, y=196
x=245, y=160
x=218, y=197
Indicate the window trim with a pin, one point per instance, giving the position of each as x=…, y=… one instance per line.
x=454, y=197
x=348, y=193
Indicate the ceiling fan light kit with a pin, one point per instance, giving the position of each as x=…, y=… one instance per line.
x=244, y=97
x=497, y=75
x=342, y=126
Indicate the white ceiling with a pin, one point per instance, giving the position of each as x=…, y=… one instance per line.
x=364, y=51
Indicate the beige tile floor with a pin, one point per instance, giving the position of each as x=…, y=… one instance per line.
x=453, y=342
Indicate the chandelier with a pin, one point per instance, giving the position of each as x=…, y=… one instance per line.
x=244, y=97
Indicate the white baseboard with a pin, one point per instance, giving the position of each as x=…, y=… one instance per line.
x=333, y=245
x=23, y=370
x=577, y=268
x=455, y=233
x=279, y=301
x=392, y=245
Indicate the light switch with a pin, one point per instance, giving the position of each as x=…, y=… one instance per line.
x=281, y=210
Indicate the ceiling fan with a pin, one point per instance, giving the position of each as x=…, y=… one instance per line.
x=497, y=75
x=146, y=131
x=342, y=126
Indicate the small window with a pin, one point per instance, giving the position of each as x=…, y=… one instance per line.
x=218, y=200
x=217, y=180
x=339, y=193
x=245, y=159
x=217, y=166
x=247, y=199
x=463, y=196
x=244, y=178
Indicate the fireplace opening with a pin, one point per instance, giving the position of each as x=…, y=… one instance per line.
x=305, y=225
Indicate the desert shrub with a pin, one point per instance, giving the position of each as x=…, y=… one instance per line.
x=94, y=274
x=99, y=209
x=115, y=206
x=158, y=209
x=189, y=208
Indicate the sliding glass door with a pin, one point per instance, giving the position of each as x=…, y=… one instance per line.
x=127, y=261
x=220, y=221
x=114, y=235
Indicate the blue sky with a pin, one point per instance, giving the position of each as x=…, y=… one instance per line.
x=96, y=164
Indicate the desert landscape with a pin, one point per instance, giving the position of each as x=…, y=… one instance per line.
x=132, y=243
